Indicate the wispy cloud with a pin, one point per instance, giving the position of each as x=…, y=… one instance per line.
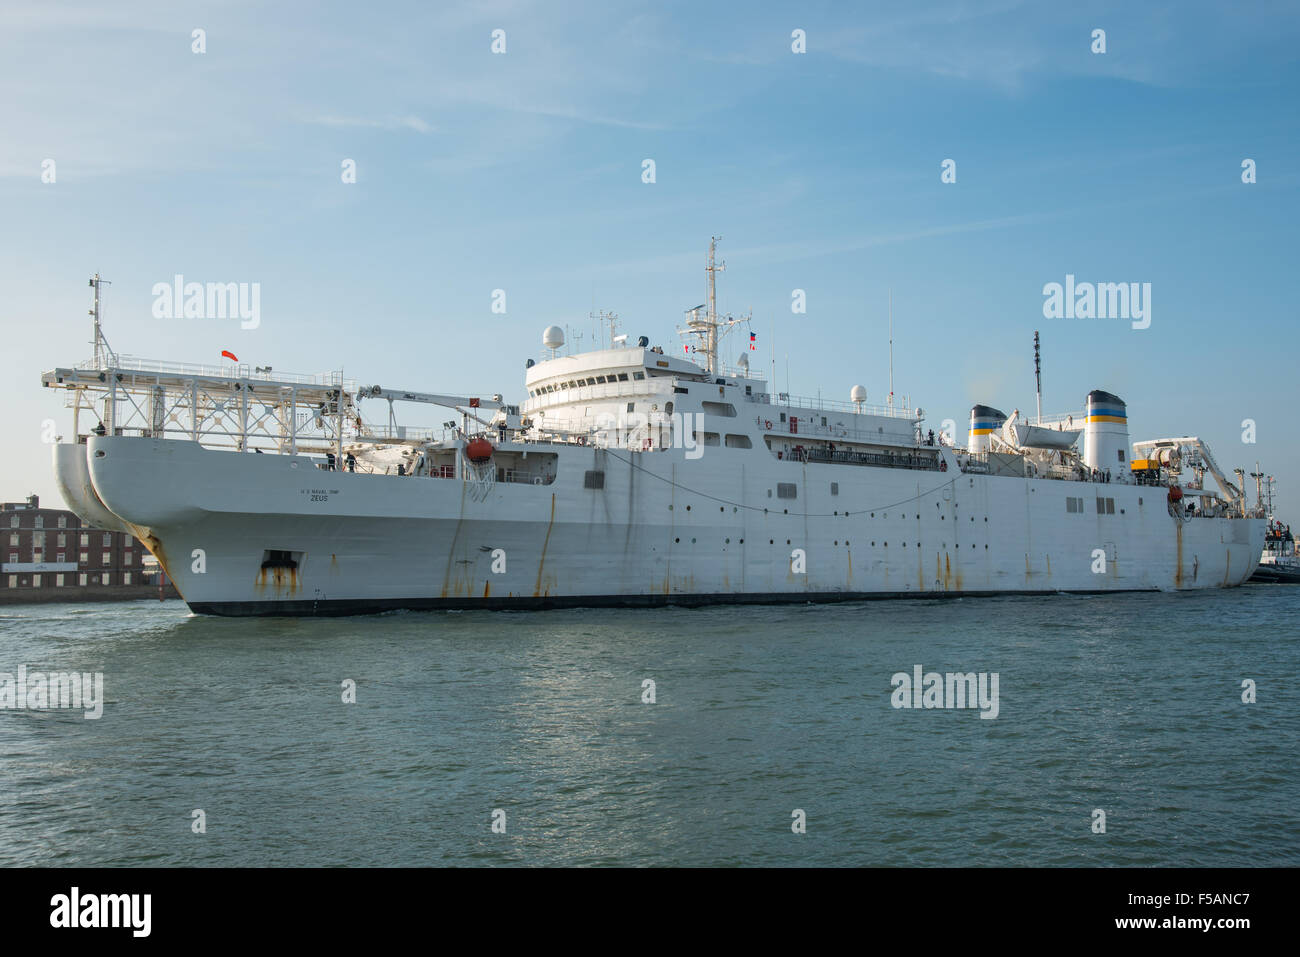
x=380, y=123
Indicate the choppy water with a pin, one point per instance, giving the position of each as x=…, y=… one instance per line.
x=1130, y=703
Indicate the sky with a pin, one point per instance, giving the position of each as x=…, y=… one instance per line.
x=524, y=171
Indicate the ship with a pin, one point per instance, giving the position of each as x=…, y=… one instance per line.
x=626, y=475
x=1279, y=565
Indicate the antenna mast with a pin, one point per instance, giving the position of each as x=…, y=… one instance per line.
x=1038, y=379
x=711, y=340
x=705, y=327
x=102, y=350
x=891, y=347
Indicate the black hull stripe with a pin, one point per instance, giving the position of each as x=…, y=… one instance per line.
x=370, y=606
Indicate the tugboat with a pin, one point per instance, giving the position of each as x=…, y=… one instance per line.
x=1279, y=565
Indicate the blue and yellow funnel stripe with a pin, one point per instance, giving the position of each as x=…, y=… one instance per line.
x=1104, y=407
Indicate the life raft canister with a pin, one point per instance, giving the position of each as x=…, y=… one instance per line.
x=1175, y=493
x=479, y=451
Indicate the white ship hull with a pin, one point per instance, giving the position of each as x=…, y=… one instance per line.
x=664, y=529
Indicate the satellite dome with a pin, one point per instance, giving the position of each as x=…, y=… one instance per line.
x=858, y=394
x=553, y=337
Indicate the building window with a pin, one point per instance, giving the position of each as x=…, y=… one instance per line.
x=13, y=522
x=638, y=376
x=36, y=581
x=82, y=578
x=58, y=581
x=13, y=581
x=126, y=578
x=85, y=558
x=63, y=521
x=126, y=558
x=13, y=557
x=108, y=539
x=63, y=539
x=105, y=578
x=13, y=540
x=62, y=556
x=38, y=522
x=85, y=540
x=107, y=558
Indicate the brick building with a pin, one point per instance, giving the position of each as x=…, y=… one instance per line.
x=48, y=554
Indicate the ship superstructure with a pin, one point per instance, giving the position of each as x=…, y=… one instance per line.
x=628, y=475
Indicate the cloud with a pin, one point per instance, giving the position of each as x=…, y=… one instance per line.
x=380, y=123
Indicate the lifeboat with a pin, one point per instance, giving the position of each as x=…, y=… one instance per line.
x=479, y=451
